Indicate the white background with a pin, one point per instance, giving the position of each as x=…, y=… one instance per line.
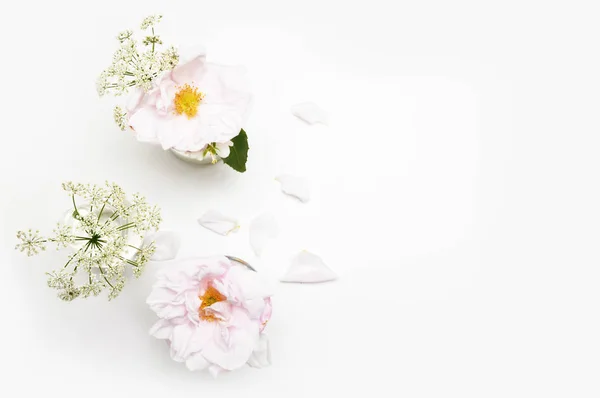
x=455, y=193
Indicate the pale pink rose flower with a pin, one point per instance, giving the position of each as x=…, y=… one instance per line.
x=213, y=313
x=195, y=104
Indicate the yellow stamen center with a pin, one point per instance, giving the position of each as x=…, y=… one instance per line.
x=187, y=100
x=210, y=296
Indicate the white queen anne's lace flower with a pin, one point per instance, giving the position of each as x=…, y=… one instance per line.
x=212, y=313
x=96, y=231
x=136, y=64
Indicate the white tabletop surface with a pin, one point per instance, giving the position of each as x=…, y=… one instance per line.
x=455, y=192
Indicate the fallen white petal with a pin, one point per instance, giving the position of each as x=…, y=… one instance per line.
x=310, y=112
x=308, y=268
x=262, y=229
x=167, y=245
x=294, y=186
x=218, y=223
x=261, y=356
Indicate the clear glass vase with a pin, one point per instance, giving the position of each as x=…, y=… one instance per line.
x=194, y=157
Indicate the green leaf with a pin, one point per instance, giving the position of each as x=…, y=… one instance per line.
x=238, y=153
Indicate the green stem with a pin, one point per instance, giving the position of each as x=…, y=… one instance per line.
x=126, y=226
x=128, y=261
x=104, y=205
x=74, y=205
x=153, y=41
x=73, y=256
x=71, y=259
x=104, y=276
x=116, y=215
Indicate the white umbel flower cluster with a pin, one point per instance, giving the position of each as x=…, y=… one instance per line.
x=99, y=233
x=137, y=64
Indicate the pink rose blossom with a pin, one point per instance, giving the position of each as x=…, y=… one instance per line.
x=212, y=312
x=195, y=104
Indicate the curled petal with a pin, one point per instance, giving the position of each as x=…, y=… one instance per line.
x=262, y=229
x=294, y=186
x=167, y=245
x=218, y=223
x=308, y=268
x=310, y=112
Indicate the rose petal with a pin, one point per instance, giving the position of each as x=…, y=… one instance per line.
x=294, y=186
x=249, y=284
x=180, y=340
x=169, y=311
x=145, y=123
x=203, y=333
x=215, y=370
x=191, y=71
x=242, y=343
x=167, y=245
x=161, y=329
x=134, y=99
x=308, y=268
x=261, y=356
x=175, y=130
x=310, y=112
x=196, y=362
x=160, y=295
x=218, y=223
x=223, y=149
x=262, y=229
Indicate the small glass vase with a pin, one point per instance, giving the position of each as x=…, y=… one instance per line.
x=195, y=157
x=133, y=239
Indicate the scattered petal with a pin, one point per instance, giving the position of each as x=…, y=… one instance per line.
x=310, y=112
x=294, y=186
x=167, y=245
x=308, y=268
x=262, y=229
x=218, y=223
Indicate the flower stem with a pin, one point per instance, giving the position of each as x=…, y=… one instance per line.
x=103, y=206
x=128, y=261
x=126, y=226
x=104, y=276
x=75, y=206
x=153, y=40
